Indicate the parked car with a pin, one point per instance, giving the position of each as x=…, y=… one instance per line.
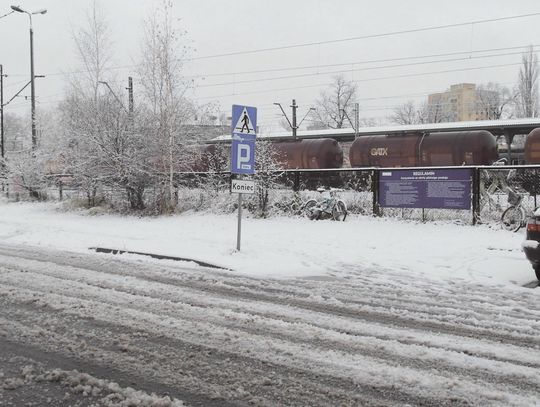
x=531, y=246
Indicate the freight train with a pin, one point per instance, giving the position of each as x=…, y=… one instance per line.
x=413, y=149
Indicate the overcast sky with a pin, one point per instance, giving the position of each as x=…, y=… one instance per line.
x=217, y=27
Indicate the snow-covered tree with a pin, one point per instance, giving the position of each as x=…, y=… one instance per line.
x=82, y=106
x=16, y=132
x=103, y=141
x=267, y=172
x=214, y=160
x=27, y=172
x=164, y=89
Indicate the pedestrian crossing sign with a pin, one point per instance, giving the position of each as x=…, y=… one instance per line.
x=244, y=120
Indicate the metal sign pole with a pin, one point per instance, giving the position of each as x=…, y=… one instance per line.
x=239, y=234
x=243, y=134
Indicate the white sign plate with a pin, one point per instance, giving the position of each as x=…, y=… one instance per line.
x=242, y=187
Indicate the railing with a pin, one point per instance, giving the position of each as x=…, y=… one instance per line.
x=484, y=199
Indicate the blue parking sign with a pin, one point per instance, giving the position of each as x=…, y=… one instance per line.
x=243, y=154
x=244, y=128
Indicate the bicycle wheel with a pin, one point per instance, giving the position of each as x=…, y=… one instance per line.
x=339, y=212
x=513, y=218
x=308, y=208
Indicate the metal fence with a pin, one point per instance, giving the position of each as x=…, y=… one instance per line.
x=490, y=189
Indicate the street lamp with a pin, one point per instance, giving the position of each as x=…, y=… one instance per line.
x=32, y=85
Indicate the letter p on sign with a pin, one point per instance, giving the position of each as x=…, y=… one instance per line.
x=243, y=155
x=243, y=162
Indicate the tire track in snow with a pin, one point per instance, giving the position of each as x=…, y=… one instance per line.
x=348, y=331
x=311, y=304
x=325, y=338
x=225, y=367
x=303, y=289
x=385, y=315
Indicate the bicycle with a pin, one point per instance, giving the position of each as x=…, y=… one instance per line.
x=513, y=218
x=329, y=207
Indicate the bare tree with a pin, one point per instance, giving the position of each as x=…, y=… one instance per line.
x=494, y=101
x=527, y=88
x=336, y=104
x=102, y=144
x=404, y=114
x=164, y=90
x=94, y=51
x=436, y=110
x=409, y=113
x=80, y=111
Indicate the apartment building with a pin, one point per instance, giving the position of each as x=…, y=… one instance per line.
x=462, y=102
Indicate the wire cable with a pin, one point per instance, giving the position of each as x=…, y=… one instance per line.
x=364, y=37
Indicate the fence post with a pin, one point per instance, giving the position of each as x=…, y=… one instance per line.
x=476, y=196
x=535, y=177
x=375, y=191
x=296, y=181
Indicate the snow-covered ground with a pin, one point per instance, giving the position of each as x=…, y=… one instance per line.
x=386, y=312
x=283, y=247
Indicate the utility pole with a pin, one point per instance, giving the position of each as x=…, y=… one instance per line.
x=2, y=106
x=294, y=127
x=356, y=111
x=32, y=85
x=130, y=97
x=356, y=119
x=32, y=88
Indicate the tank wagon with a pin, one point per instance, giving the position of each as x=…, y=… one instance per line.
x=531, y=149
x=301, y=154
x=309, y=154
x=424, y=149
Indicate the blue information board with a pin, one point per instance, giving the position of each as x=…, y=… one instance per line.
x=244, y=128
x=426, y=188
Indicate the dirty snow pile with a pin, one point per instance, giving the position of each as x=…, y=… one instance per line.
x=107, y=393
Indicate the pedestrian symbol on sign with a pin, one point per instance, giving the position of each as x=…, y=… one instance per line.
x=245, y=121
x=244, y=124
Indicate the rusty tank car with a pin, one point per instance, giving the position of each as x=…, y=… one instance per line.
x=309, y=154
x=424, y=149
x=531, y=150
x=299, y=154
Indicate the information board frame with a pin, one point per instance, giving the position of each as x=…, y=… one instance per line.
x=426, y=188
